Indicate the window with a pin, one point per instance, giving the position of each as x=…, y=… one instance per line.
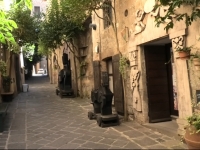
x=107, y=13
x=36, y=10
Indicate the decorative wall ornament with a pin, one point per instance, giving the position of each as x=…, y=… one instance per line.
x=134, y=79
x=125, y=34
x=178, y=42
x=139, y=25
x=133, y=58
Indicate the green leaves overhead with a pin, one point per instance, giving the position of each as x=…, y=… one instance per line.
x=27, y=3
x=173, y=5
x=6, y=28
x=59, y=24
x=27, y=24
x=7, y=25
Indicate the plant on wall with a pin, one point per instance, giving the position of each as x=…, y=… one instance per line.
x=6, y=79
x=88, y=7
x=189, y=17
x=192, y=135
x=123, y=65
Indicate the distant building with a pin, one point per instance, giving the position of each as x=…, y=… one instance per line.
x=39, y=6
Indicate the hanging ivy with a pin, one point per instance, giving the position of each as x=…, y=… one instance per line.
x=123, y=65
x=171, y=11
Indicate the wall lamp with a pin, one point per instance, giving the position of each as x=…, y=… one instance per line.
x=93, y=26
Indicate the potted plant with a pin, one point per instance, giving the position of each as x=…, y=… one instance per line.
x=6, y=81
x=184, y=53
x=192, y=134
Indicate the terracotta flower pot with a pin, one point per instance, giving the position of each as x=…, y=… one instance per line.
x=184, y=55
x=192, y=138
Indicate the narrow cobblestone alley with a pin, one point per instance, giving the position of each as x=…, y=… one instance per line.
x=39, y=119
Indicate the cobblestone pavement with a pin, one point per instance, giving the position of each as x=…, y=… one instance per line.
x=39, y=119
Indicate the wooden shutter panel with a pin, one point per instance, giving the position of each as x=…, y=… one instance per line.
x=118, y=87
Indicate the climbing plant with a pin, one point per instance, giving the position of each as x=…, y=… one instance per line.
x=123, y=65
x=57, y=26
x=173, y=15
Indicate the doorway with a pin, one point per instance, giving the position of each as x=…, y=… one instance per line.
x=160, y=75
x=17, y=73
x=110, y=76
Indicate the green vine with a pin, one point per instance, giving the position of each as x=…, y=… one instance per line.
x=83, y=66
x=3, y=68
x=123, y=65
x=83, y=63
x=171, y=11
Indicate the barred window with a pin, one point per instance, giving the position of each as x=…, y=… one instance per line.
x=107, y=13
x=36, y=10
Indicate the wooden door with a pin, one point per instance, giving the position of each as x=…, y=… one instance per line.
x=157, y=83
x=110, y=75
x=117, y=86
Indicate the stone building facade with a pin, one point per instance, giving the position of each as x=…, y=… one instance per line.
x=80, y=58
x=159, y=85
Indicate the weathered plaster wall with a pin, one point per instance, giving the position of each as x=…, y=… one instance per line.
x=105, y=38
x=82, y=84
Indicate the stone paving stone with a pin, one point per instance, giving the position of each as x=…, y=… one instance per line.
x=40, y=130
x=17, y=146
x=155, y=135
x=3, y=140
x=131, y=145
x=59, y=142
x=70, y=146
x=115, y=147
x=145, y=141
x=82, y=148
x=171, y=143
x=2, y=143
x=14, y=132
x=43, y=142
x=34, y=146
x=69, y=129
x=111, y=131
x=4, y=136
x=16, y=138
x=119, y=143
x=107, y=141
x=98, y=129
x=95, y=145
x=33, y=138
x=160, y=140
x=179, y=147
x=96, y=139
x=53, y=123
x=133, y=134
x=122, y=128
x=47, y=147
x=42, y=135
x=78, y=141
x=85, y=137
x=158, y=146
x=166, y=138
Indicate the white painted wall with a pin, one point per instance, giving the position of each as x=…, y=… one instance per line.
x=41, y=3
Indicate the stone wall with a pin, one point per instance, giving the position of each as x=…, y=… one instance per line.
x=136, y=28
